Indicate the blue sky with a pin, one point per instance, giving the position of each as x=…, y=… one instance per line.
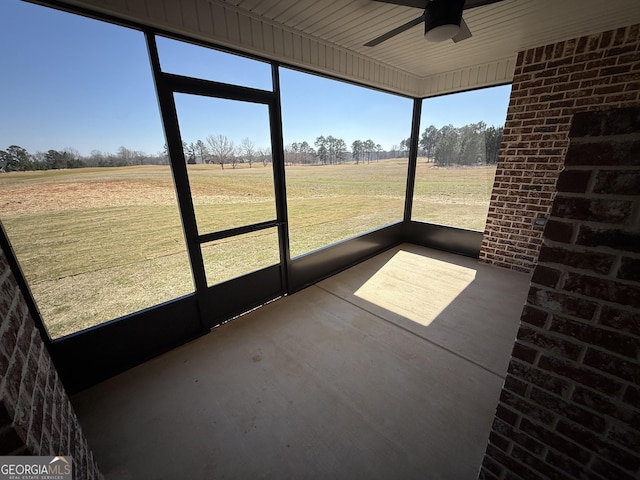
x=69, y=81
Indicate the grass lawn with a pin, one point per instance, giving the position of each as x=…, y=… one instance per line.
x=457, y=196
x=99, y=243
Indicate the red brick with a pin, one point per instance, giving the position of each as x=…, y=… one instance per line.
x=561, y=303
x=555, y=441
x=593, y=210
x=587, y=74
x=614, y=71
x=594, y=442
x=573, y=181
x=626, y=78
x=7, y=293
x=547, y=72
x=602, y=288
x=610, y=340
x=499, y=441
x=604, y=385
x=37, y=417
x=522, y=472
x=622, y=320
x=519, y=438
x=565, y=409
x=623, y=97
x=578, y=373
x=546, y=276
x=551, y=98
x=514, y=385
x=10, y=331
x=534, y=316
x=606, y=406
x=535, y=463
x=492, y=467
x=13, y=378
x=609, y=470
x=618, y=182
x=558, y=231
x=543, y=341
x=615, y=366
x=604, y=153
x=559, y=461
x=606, y=89
x=632, y=397
x=605, y=39
x=620, y=52
x=533, y=68
x=586, y=260
x=546, y=129
x=506, y=414
x=524, y=353
x=564, y=86
x=530, y=374
x=615, y=238
x=624, y=436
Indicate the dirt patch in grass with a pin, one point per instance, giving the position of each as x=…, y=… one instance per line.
x=27, y=200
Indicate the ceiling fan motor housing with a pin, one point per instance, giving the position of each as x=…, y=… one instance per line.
x=442, y=20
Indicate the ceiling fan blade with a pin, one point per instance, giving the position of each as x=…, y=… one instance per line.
x=476, y=3
x=395, y=31
x=464, y=32
x=406, y=3
x=423, y=3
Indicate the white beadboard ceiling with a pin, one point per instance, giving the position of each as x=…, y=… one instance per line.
x=327, y=36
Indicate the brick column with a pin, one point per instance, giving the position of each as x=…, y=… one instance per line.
x=551, y=84
x=36, y=417
x=570, y=404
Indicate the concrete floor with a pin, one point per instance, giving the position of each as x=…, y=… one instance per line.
x=391, y=369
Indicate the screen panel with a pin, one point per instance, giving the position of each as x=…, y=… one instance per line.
x=345, y=172
x=460, y=137
x=88, y=199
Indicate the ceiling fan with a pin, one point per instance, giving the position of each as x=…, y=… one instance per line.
x=442, y=19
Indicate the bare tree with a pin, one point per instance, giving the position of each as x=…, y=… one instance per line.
x=248, y=151
x=201, y=151
x=125, y=155
x=265, y=155
x=190, y=153
x=222, y=149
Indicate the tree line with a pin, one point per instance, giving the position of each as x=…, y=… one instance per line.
x=330, y=150
x=16, y=158
x=220, y=150
x=471, y=144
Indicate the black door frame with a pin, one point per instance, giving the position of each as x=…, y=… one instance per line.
x=255, y=288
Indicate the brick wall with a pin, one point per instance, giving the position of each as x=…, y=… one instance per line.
x=551, y=84
x=36, y=417
x=570, y=404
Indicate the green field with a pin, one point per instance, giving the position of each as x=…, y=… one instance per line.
x=99, y=243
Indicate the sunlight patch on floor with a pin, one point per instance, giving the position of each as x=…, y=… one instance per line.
x=416, y=286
